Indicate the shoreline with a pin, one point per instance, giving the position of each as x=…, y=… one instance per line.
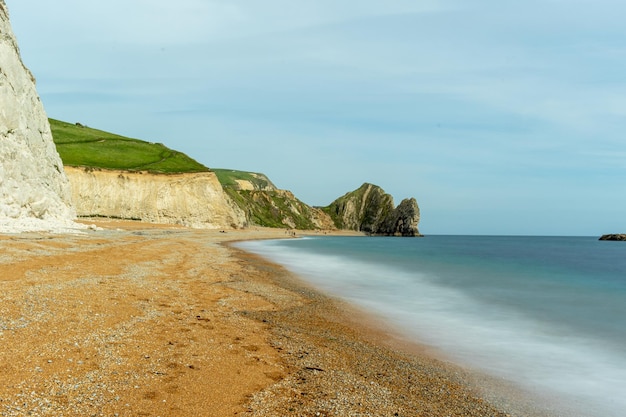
x=392, y=360
x=155, y=320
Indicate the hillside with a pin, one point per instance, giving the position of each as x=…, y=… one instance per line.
x=82, y=146
x=119, y=177
x=266, y=205
x=116, y=176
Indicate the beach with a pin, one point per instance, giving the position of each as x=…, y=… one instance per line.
x=150, y=320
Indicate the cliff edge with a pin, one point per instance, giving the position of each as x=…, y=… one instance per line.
x=34, y=191
x=191, y=199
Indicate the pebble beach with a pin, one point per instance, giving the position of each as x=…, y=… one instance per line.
x=147, y=320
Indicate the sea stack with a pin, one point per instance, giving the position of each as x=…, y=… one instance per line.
x=34, y=191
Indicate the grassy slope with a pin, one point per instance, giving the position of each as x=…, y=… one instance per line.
x=265, y=208
x=83, y=146
x=228, y=178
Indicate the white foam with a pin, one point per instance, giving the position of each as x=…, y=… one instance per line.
x=581, y=372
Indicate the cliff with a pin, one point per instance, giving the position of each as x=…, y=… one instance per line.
x=370, y=210
x=34, y=191
x=191, y=199
x=266, y=205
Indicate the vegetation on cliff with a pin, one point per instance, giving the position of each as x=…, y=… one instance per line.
x=362, y=209
x=236, y=180
x=368, y=209
x=265, y=205
x=82, y=146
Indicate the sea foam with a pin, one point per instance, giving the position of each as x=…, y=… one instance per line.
x=580, y=374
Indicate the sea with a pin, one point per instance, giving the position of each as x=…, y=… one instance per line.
x=545, y=314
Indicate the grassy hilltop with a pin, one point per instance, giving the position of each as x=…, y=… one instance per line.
x=82, y=146
x=79, y=145
x=262, y=202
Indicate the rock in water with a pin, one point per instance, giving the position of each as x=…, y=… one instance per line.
x=34, y=191
x=620, y=237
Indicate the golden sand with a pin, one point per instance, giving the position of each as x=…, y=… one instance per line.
x=141, y=320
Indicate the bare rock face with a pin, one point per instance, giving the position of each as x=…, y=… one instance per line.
x=369, y=209
x=34, y=191
x=619, y=237
x=403, y=220
x=194, y=200
x=363, y=209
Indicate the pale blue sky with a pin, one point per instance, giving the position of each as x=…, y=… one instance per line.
x=499, y=117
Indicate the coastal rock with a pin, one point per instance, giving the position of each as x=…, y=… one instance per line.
x=193, y=199
x=617, y=237
x=370, y=210
x=403, y=221
x=34, y=191
x=266, y=205
x=364, y=209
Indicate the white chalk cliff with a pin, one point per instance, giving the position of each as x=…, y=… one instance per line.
x=34, y=190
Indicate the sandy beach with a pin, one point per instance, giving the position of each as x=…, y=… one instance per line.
x=144, y=320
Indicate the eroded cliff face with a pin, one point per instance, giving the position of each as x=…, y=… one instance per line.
x=266, y=205
x=194, y=200
x=403, y=220
x=370, y=210
x=363, y=209
x=281, y=208
x=34, y=191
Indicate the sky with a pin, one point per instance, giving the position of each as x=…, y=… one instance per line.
x=498, y=117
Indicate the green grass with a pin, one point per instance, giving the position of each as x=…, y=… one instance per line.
x=272, y=208
x=83, y=146
x=228, y=178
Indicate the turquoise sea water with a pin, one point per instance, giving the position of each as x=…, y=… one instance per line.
x=546, y=313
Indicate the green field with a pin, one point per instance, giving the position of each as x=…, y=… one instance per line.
x=228, y=178
x=79, y=145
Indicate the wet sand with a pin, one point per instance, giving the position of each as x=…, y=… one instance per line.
x=143, y=320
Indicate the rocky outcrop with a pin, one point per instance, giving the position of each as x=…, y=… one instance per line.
x=370, y=210
x=34, y=191
x=266, y=205
x=364, y=209
x=617, y=237
x=403, y=220
x=257, y=182
x=193, y=199
x=280, y=208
